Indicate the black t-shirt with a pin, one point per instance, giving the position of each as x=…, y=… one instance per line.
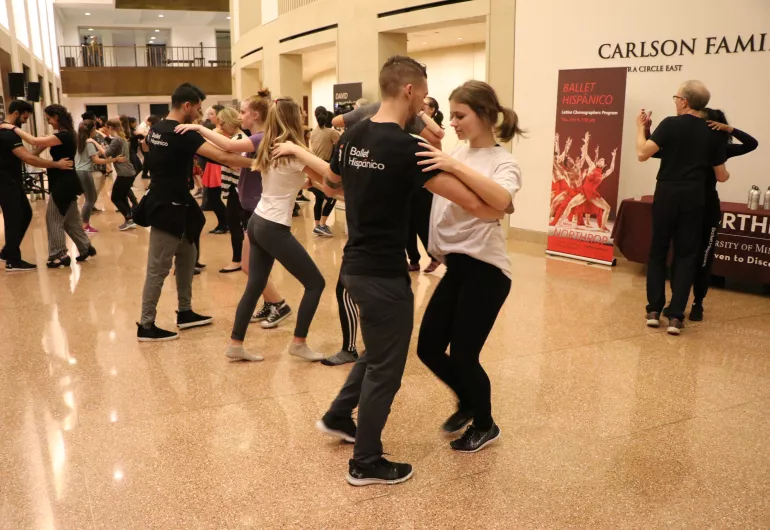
x=64, y=184
x=171, y=158
x=378, y=165
x=689, y=149
x=10, y=165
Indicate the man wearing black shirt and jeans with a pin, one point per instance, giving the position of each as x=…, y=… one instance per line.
x=688, y=151
x=175, y=217
x=17, y=213
x=378, y=166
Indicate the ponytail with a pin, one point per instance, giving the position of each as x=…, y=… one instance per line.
x=438, y=117
x=509, y=127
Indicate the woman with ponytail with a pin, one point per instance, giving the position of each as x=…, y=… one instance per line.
x=465, y=305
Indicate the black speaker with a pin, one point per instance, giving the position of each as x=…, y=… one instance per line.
x=33, y=92
x=16, y=84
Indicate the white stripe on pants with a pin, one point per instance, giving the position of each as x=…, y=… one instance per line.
x=58, y=224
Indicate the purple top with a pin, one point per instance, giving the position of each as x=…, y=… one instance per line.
x=250, y=182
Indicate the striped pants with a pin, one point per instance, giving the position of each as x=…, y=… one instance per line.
x=348, y=317
x=58, y=225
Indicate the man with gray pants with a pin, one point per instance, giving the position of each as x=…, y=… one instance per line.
x=174, y=216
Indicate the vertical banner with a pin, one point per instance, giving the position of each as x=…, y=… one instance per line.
x=586, y=163
x=346, y=94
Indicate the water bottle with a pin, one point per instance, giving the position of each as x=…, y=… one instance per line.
x=751, y=193
x=766, y=204
x=754, y=198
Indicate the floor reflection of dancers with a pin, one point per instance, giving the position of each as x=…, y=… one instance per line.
x=587, y=194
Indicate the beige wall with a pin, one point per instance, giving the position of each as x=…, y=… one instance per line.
x=547, y=43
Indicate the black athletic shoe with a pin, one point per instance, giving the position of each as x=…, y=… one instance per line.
x=278, y=313
x=475, y=439
x=262, y=314
x=218, y=231
x=154, y=334
x=696, y=313
x=343, y=428
x=200, y=266
x=380, y=472
x=2, y=255
x=19, y=266
x=89, y=254
x=457, y=421
x=191, y=319
x=302, y=198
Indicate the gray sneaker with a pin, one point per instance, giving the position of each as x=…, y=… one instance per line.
x=340, y=358
x=128, y=225
x=327, y=231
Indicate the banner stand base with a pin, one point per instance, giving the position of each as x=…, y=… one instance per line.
x=581, y=258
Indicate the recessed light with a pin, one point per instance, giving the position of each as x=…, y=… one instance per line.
x=459, y=38
x=228, y=18
x=152, y=38
x=424, y=43
x=157, y=31
x=88, y=14
x=160, y=16
x=90, y=29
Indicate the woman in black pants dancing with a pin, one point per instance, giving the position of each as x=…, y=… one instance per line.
x=465, y=305
x=718, y=122
x=125, y=172
x=322, y=141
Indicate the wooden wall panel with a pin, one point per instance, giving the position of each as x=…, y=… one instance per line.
x=175, y=5
x=132, y=81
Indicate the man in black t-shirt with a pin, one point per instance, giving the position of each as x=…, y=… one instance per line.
x=174, y=216
x=17, y=213
x=689, y=152
x=376, y=162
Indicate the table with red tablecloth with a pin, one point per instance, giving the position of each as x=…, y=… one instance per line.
x=742, y=245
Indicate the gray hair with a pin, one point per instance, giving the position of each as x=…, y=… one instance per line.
x=361, y=103
x=696, y=94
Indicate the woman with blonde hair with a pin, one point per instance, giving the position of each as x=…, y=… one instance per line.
x=230, y=122
x=243, y=200
x=270, y=234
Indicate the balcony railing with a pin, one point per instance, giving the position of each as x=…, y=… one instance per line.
x=284, y=6
x=156, y=56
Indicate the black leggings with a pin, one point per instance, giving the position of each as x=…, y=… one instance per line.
x=268, y=242
x=214, y=201
x=120, y=191
x=708, y=246
x=348, y=317
x=238, y=221
x=419, y=223
x=460, y=315
x=323, y=205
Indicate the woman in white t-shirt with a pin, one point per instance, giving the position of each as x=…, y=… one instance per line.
x=465, y=305
x=270, y=234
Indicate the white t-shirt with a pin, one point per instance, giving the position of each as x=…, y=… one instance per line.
x=280, y=185
x=455, y=231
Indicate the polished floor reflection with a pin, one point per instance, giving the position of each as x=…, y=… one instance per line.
x=606, y=424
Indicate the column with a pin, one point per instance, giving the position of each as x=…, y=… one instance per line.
x=290, y=83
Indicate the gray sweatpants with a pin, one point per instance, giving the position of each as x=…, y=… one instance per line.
x=58, y=225
x=89, y=193
x=269, y=241
x=387, y=317
x=163, y=248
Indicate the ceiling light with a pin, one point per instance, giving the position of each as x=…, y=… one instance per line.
x=90, y=29
x=88, y=14
x=160, y=16
x=424, y=43
x=157, y=31
x=228, y=18
x=152, y=38
x=459, y=38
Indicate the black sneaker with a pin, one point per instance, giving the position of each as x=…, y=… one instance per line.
x=653, y=319
x=340, y=358
x=675, y=326
x=219, y=231
x=19, y=266
x=262, y=314
x=154, y=334
x=278, y=313
x=696, y=313
x=380, y=472
x=302, y=198
x=91, y=252
x=2, y=255
x=66, y=261
x=474, y=439
x=457, y=421
x=191, y=319
x=342, y=428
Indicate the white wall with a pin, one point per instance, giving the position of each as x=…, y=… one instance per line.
x=546, y=43
x=193, y=36
x=321, y=95
x=77, y=106
x=448, y=68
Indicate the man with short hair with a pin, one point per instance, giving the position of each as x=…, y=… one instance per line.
x=689, y=151
x=378, y=164
x=17, y=213
x=174, y=216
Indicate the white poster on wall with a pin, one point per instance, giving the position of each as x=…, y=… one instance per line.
x=269, y=10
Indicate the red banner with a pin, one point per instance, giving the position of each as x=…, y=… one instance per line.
x=586, y=163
